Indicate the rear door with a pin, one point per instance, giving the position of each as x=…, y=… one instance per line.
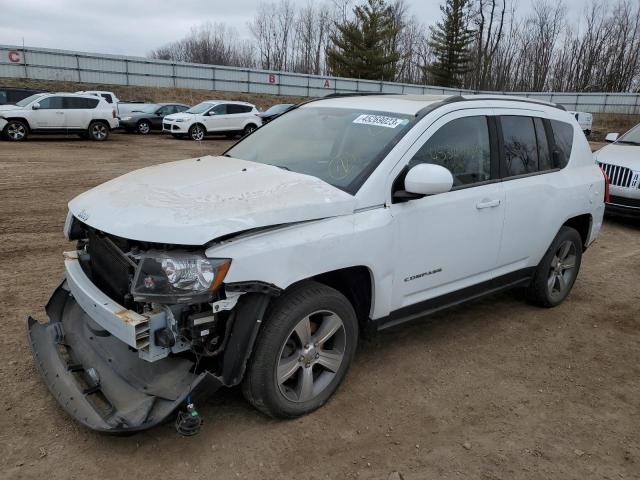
x=78, y=111
x=238, y=115
x=533, y=187
x=448, y=242
x=51, y=114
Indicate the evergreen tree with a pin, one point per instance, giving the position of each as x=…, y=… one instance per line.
x=360, y=47
x=451, y=41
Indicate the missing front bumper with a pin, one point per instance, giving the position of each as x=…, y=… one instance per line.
x=99, y=380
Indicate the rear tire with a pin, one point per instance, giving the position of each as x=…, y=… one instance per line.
x=197, y=132
x=303, y=352
x=558, y=270
x=16, y=131
x=249, y=129
x=98, y=131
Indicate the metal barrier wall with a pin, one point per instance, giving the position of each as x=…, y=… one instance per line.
x=69, y=66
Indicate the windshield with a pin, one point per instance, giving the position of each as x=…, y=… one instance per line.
x=26, y=101
x=200, y=108
x=338, y=145
x=148, y=109
x=632, y=136
x=279, y=108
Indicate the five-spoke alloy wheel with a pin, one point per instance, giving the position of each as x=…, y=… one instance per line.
x=303, y=351
x=16, y=131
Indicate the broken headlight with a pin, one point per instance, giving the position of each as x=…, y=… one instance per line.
x=177, y=277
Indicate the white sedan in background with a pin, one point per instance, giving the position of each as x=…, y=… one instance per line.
x=621, y=162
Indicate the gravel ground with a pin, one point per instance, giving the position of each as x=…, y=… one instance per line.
x=497, y=389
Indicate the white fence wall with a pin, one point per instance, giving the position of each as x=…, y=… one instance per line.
x=64, y=65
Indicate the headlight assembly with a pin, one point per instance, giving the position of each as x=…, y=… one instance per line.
x=177, y=277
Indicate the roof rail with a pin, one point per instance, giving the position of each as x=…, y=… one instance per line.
x=507, y=98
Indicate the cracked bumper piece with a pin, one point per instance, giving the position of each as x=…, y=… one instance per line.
x=99, y=380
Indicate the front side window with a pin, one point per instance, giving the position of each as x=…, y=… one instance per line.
x=221, y=109
x=520, y=146
x=462, y=146
x=341, y=146
x=51, y=103
x=166, y=110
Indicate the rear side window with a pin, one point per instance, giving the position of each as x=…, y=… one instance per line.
x=563, y=139
x=232, y=108
x=74, y=103
x=107, y=97
x=180, y=108
x=462, y=146
x=51, y=103
x=520, y=145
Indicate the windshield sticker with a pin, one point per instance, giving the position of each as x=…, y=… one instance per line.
x=380, y=121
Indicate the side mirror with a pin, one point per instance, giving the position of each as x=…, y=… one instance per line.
x=611, y=137
x=428, y=179
x=35, y=106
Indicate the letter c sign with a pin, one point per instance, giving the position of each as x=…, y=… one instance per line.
x=14, y=57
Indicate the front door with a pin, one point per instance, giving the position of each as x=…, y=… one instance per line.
x=445, y=243
x=51, y=114
x=216, y=119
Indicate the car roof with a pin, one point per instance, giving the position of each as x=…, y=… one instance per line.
x=218, y=102
x=409, y=104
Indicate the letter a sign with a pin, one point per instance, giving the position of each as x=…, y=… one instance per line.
x=327, y=84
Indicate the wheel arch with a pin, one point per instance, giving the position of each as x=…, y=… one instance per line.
x=582, y=224
x=21, y=119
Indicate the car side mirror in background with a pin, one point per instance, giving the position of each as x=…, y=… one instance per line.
x=35, y=106
x=428, y=179
x=611, y=137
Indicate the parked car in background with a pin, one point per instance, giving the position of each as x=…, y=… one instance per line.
x=121, y=107
x=585, y=120
x=149, y=117
x=12, y=95
x=274, y=112
x=621, y=162
x=213, y=116
x=262, y=266
x=52, y=113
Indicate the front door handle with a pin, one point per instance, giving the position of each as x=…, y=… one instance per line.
x=487, y=204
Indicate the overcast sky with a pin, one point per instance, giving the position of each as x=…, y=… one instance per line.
x=134, y=27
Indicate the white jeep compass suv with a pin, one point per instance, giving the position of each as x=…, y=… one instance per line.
x=51, y=113
x=213, y=116
x=262, y=266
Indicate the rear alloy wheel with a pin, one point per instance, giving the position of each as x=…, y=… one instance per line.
x=196, y=132
x=144, y=127
x=303, y=353
x=249, y=129
x=16, y=131
x=98, y=131
x=558, y=270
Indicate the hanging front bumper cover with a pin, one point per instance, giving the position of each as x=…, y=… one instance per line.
x=99, y=380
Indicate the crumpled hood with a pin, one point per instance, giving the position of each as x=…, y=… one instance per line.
x=191, y=202
x=621, y=155
x=7, y=108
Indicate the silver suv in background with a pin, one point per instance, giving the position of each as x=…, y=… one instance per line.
x=58, y=113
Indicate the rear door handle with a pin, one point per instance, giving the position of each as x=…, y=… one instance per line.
x=488, y=204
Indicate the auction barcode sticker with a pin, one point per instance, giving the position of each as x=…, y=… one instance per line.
x=379, y=121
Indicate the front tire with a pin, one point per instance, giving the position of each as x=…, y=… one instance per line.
x=303, y=352
x=197, y=132
x=558, y=269
x=143, y=127
x=16, y=131
x=98, y=131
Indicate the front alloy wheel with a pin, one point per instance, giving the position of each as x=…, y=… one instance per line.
x=303, y=351
x=196, y=132
x=16, y=131
x=311, y=356
x=143, y=127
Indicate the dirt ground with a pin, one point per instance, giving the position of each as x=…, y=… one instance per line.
x=497, y=389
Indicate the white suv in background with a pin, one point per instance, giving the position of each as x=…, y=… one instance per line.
x=51, y=113
x=213, y=116
x=262, y=265
x=621, y=162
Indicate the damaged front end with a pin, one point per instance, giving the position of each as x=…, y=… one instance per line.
x=118, y=360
